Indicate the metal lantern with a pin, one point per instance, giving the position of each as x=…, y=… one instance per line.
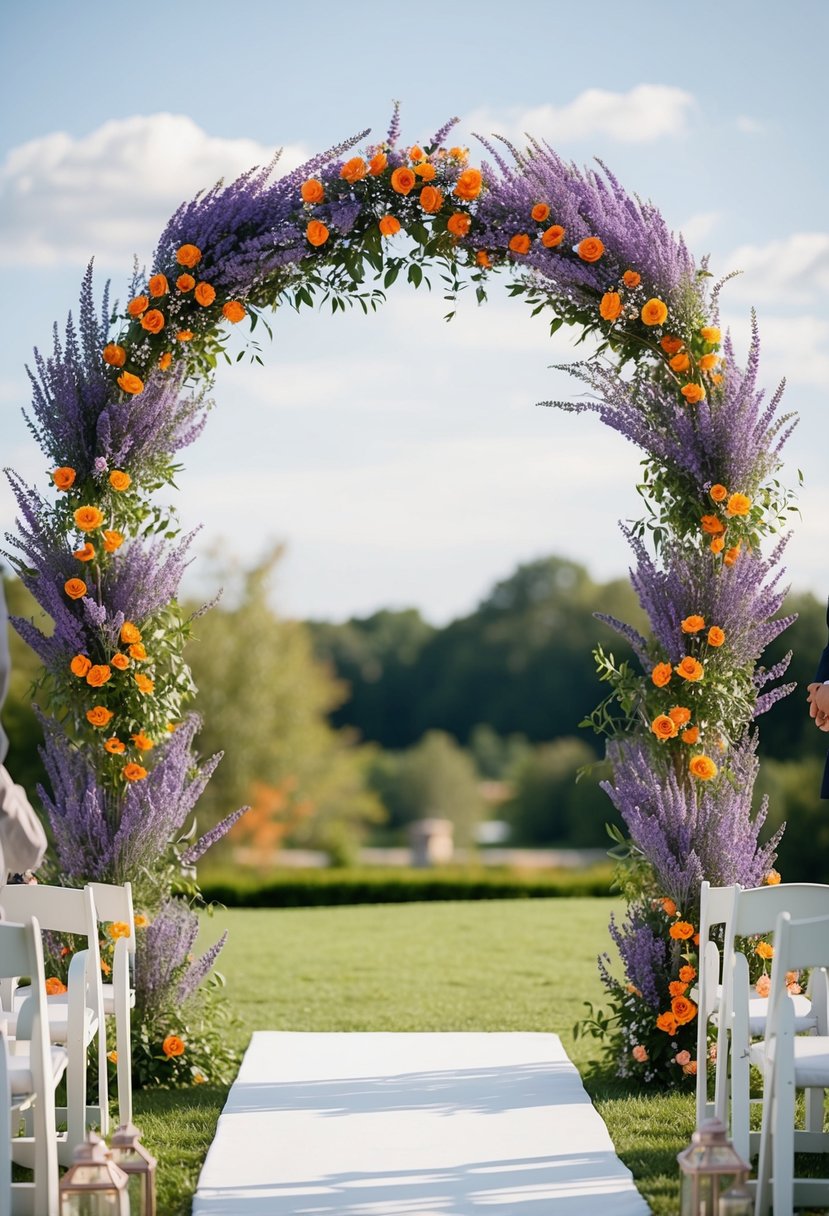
x=710, y=1166
x=93, y=1185
x=738, y=1201
x=129, y=1153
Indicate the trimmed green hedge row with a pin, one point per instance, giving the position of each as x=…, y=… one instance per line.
x=376, y=885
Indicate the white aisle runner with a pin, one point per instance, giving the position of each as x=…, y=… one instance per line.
x=411, y=1125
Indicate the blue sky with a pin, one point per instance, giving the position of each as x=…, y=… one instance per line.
x=402, y=460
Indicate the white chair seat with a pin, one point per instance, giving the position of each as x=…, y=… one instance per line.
x=109, y=999
x=58, y=1010
x=758, y=1008
x=811, y=1061
x=20, y=1072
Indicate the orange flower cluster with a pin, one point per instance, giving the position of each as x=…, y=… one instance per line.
x=733, y=506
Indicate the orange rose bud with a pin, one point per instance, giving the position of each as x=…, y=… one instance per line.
x=75, y=588
x=431, y=199
x=553, y=236
x=158, y=285
x=205, y=294
x=710, y=333
x=671, y=346
x=540, y=212
x=712, y=525
x=114, y=355
x=680, y=715
x=708, y=362
x=631, y=279
x=520, y=243
x=469, y=184
x=114, y=746
x=134, y=772
x=98, y=675
x=738, y=504
x=189, y=256
x=234, y=311
x=131, y=384
x=687, y=974
x=677, y=988
x=703, y=768
x=129, y=633
x=426, y=172
x=667, y=1022
x=86, y=553
x=690, y=669
x=664, y=727
x=692, y=393
x=459, y=153
x=99, y=715
x=144, y=684
x=590, y=249
x=54, y=986
x=377, y=164
x=772, y=878
x=416, y=153
x=185, y=282
x=691, y=735
x=119, y=480
x=718, y=492
x=88, y=518
x=389, y=225
x=717, y=544
x=655, y=312
x=119, y=661
x=138, y=305
x=138, y=652
x=668, y=906
x=716, y=378
x=716, y=636
x=610, y=307
x=681, y=931
x=459, y=223
x=80, y=665
x=692, y=624
x=482, y=258
x=165, y=360
x=184, y=335
x=680, y=362
x=312, y=191
x=142, y=742
x=661, y=674
x=731, y=555
x=403, y=180
x=316, y=233
x=64, y=477
x=112, y=541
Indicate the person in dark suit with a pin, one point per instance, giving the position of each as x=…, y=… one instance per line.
x=818, y=698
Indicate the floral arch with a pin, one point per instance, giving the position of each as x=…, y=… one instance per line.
x=124, y=390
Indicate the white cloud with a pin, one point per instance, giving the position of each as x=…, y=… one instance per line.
x=699, y=227
x=646, y=112
x=111, y=192
x=790, y=271
x=750, y=126
x=794, y=347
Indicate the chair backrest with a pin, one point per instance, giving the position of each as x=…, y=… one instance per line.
x=756, y=909
x=798, y=944
x=113, y=902
x=60, y=909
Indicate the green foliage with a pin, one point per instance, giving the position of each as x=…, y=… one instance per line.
x=549, y=807
x=19, y=721
x=205, y=1026
x=433, y=779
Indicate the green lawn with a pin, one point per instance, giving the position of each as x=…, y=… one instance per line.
x=500, y=965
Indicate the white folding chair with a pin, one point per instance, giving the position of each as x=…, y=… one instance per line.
x=76, y=1016
x=715, y=908
x=30, y=1069
x=114, y=903
x=790, y=1062
x=743, y=1014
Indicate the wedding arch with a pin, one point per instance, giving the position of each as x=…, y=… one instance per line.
x=123, y=391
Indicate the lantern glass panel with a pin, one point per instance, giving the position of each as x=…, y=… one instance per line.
x=91, y=1203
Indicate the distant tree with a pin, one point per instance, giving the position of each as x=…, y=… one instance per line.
x=19, y=721
x=787, y=731
x=549, y=807
x=496, y=757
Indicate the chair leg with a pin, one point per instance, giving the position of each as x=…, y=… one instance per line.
x=763, y=1193
x=782, y=1147
x=814, y=1110
x=103, y=1079
x=124, y=1049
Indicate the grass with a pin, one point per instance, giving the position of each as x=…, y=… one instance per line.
x=520, y=965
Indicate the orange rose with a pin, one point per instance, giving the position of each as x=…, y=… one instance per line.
x=426, y=172
x=316, y=233
x=712, y=525
x=654, y=312
x=590, y=249
x=165, y=360
x=377, y=164
x=717, y=544
x=482, y=258
x=205, y=294
x=710, y=333
x=389, y=225
x=134, y=772
x=738, y=504
x=708, y=362
x=54, y=986
x=145, y=684
x=80, y=665
x=692, y=624
x=403, y=180
x=129, y=633
x=764, y=950
x=691, y=735
x=687, y=974
x=671, y=346
x=189, y=256
x=88, y=518
x=158, y=285
x=234, y=311
x=520, y=243
x=677, y=988
x=631, y=279
x=667, y=1022
x=98, y=675
x=731, y=555
x=99, y=715
x=184, y=335
x=416, y=153
x=763, y=986
x=716, y=378
x=664, y=727
x=540, y=212
x=680, y=715
x=692, y=393
x=114, y=746
x=690, y=669
x=138, y=305
x=112, y=541
x=173, y=1046
x=681, y=931
x=680, y=362
x=553, y=236
x=469, y=184
x=119, y=480
x=114, y=355
x=772, y=878
x=64, y=477
x=138, y=652
x=610, y=306
x=431, y=199
x=118, y=929
x=718, y=492
x=120, y=661
x=459, y=223
x=185, y=282
x=703, y=768
x=312, y=191
x=661, y=674
x=142, y=742
x=668, y=906
x=683, y=1010
x=461, y=154
x=716, y=637
x=130, y=384
x=75, y=588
